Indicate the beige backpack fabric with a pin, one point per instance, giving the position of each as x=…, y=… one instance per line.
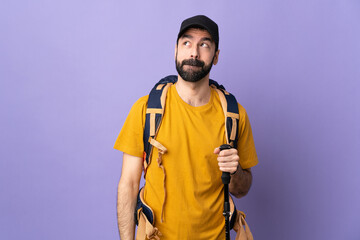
x=242, y=228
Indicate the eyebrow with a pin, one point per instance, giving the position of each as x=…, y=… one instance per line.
x=206, y=39
x=187, y=36
x=202, y=39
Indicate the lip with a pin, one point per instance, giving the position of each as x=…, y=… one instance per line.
x=192, y=66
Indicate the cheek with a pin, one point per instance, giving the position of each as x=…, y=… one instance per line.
x=207, y=55
x=180, y=56
x=208, y=60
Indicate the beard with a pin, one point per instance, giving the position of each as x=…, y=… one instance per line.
x=193, y=75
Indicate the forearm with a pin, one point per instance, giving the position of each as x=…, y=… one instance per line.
x=126, y=203
x=240, y=182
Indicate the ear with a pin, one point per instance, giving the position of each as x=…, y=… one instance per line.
x=216, y=57
x=175, y=51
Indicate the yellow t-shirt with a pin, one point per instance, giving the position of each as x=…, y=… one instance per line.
x=194, y=190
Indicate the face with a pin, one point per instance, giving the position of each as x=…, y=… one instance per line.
x=195, y=54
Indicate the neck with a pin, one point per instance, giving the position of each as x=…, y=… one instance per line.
x=194, y=93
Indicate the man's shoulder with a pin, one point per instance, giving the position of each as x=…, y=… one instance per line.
x=139, y=107
x=143, y=99
x=242, y=110
x=141, y=102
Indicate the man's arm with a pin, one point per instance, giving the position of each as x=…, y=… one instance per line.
x=240, y=182
x=127, y=192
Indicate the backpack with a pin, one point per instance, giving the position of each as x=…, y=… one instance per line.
x=144, y=216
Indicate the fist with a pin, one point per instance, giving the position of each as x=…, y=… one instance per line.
x=228, y=159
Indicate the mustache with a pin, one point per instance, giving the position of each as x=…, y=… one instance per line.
x=193, y=62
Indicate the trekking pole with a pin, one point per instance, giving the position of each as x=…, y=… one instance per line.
x=225, y=177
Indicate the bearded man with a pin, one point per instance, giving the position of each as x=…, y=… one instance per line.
x=192, y=129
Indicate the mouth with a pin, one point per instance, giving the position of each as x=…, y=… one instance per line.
x=193, y=63
x=189, y=65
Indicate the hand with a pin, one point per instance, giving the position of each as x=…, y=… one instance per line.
x=228, y=160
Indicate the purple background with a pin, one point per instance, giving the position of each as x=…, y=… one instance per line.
x=70, y=71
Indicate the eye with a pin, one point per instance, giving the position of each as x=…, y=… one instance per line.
x=204, y=45
x=186, y=43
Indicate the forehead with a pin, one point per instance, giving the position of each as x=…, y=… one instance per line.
x=196, y=33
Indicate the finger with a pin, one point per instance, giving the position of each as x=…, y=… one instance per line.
x=228, y=165
x=228, y=152
x=232, y=158
x=228, y=169
x=217, y=150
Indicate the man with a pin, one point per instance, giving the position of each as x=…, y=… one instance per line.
x=191, y=204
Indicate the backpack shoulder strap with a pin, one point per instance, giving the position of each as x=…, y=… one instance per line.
x=154, y=112
x=231, y=111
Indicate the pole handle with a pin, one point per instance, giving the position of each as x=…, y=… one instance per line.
x=225, y=177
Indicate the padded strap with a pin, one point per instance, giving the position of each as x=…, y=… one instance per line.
x=154, y=113
x=231, y=113
x=224, y=107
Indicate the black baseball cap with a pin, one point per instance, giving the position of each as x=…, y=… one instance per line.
x=204, y=22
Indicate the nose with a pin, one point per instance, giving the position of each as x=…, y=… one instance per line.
x=194, y=52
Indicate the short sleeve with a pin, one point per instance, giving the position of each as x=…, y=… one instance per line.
x=246, y=145
x=130, y=139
